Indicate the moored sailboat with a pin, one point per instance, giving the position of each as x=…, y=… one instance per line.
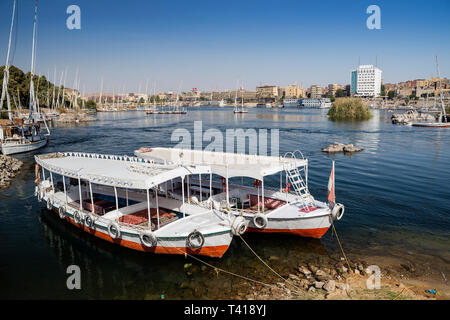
x=22, y=135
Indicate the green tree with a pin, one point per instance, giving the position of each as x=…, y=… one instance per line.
x=392, y=94
x=383, y=90
x=90, y=104
x=349, y=109
x=340, y=93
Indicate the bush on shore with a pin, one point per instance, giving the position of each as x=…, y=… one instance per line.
x=349, y=109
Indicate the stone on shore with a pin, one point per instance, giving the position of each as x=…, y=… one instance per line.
x=410, y=116
x=75, y=117
x=9, y=167
x=330, y=286
x=341, y=147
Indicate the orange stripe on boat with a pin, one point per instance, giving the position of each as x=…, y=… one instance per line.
x=311, y=233
x=214, y=252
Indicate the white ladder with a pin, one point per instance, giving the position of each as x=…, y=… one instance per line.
x=300, y=188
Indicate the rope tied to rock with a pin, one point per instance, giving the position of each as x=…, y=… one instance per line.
x=340, y=245
x=270, y=268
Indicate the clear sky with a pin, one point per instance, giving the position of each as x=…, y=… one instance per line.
x=213, y=44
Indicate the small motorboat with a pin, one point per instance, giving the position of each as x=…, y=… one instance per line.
x=288, y=209
x=126, y=201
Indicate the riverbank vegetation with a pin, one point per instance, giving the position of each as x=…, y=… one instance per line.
x=349, y=109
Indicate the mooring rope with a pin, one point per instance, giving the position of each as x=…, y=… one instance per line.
x=340, y=245
x=267, y=265
x=217, y=269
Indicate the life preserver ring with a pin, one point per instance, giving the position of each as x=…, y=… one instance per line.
x=114, y=230
x=260, y=221
x=49, y=204
x=338, y=211
x=88, y=221
x=62, y=212
x=77, y=217
x=239, y=226
x=148, y=239
x=195, y=240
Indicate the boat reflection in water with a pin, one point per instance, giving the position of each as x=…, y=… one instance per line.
x=114, y=272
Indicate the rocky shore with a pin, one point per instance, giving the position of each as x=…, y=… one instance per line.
x=341, y=147
x=75, y=117
x=338, y=282
x=410, y=116
x=9, y=167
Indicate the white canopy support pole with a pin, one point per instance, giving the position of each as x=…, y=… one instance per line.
x=258, y=198
x=228, y=194
x=148, y=211
x=79, y=190
x=210, y=187
x=167, y=191
x=43, y=174
x=182, y=195
x=287, y=189
x=65, y=191
x=171, y=184
x=262, y=194
x=157, y=205
x=51, y=179
x=281, y=181
x=92, y=197
x=126, y=195
x=117, y=199
x=201, y=192
x=188, y=187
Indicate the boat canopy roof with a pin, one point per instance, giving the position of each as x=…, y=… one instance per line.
x=117, y=171
x=223, y=163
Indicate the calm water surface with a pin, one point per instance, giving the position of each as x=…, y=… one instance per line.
x=396, y=194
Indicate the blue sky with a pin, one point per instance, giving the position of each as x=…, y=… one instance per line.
x=214, y=44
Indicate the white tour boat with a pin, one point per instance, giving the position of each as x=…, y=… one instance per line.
x=289, y=209
x=126, y=201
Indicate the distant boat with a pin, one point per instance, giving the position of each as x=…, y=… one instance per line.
x=238, y=110
x=291, y=103
x=443, y=120
x=264, y=105
x=222, y=103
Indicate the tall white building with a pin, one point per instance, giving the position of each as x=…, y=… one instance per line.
x=366, y=81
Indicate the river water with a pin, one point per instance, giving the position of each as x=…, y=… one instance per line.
x=396, y=193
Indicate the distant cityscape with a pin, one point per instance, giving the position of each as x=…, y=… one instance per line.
x=366, y=82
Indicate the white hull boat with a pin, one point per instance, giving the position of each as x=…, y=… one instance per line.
x=290, y=209
x=125, y=200
x=20, y=146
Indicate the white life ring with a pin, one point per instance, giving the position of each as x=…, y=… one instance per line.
x=148, y=239
x=88, y=221
x=260, y=221
x=114, y=230
x=61, y=212
x=338, y=211
x=195, y=240
x=77, y=217
x=49, y=204
x=239, y=226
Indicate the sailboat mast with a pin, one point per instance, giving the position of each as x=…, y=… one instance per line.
x=440, y=93
x=5, y=92
x=33, y=56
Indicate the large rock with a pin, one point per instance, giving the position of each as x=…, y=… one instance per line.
x=410, y=116
x=9, y=167
x=340, y=147
x=330, y=286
